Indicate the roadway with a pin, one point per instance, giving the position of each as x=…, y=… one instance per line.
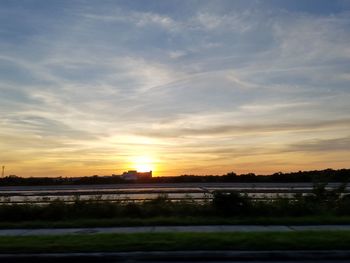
x=160, y=185
x=333, y=256
x=174, y=229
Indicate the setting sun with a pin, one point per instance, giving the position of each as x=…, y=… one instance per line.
x=143, y=164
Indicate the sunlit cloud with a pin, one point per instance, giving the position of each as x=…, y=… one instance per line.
x=200, y=87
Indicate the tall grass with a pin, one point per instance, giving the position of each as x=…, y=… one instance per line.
x=320, y=202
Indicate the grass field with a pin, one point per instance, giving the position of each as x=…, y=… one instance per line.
x=312, y=240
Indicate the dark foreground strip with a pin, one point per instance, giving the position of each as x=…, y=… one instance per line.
x=181, y=256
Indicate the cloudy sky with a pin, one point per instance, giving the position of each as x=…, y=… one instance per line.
x=182, y=87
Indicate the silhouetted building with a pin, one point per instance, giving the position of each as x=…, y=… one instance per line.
x=133, y=175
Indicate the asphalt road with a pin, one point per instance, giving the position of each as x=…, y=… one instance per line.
x=167, y=229
x=336, y=256
x=158, y=185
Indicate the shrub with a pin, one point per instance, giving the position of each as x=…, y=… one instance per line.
x=231, y=203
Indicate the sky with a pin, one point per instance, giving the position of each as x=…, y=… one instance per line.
x=179, y=87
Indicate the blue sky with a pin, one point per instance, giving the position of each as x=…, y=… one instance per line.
x=88, y=87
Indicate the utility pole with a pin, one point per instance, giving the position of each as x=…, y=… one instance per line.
x=3, y=171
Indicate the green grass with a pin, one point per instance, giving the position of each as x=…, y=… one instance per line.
x=172, y=220
x=308, y=240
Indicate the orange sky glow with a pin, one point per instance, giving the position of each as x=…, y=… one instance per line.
x=176, y=87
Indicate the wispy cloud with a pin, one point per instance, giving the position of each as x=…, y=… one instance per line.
x=322, y=145
x=254, y=129
x=210, y=85
x=139, y=19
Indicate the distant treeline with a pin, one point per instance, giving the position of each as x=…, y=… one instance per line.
x=329, y=175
